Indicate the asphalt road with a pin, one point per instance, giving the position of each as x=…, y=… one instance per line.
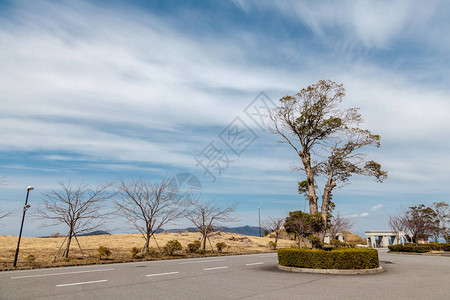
x=231, y=277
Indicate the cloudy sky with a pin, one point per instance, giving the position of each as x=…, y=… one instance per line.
x=94, y=91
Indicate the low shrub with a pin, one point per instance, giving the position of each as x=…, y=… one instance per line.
x=338, y=244
x=135, y=251
x=334, y=259
x=446, y=247
x=220, y=246
x=410, y=248
x=31, y=258
x=172, y=246
x=315, y=242
x=273, y=245
x=103, y=252
x=419, y=248
x=193, y=247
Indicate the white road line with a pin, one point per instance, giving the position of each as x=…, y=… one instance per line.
x=65, y=273
x=216, y=268
x=201, y=261
x=268, y=255
x=78, y=283
x=161, y=274
x=252, y=264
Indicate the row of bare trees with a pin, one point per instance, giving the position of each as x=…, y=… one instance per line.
x=147, y=206
x=421, y=222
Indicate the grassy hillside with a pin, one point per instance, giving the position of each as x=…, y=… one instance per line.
x=44, y=249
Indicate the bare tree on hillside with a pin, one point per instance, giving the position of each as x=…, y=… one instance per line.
x=149, y=206
x=206, y=214
x=397, y=223
x=274, y=225
x=338, y=224
x=80, y=207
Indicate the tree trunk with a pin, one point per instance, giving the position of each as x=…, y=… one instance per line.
x=313, y=208
x=204, y=243
x=329, y=185
x=146, y=249
x=69, y=239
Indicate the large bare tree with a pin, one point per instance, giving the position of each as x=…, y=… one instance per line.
x=442, y=210
x=274, y=225
x=398, y=224
x=206, y=214
x=326, y=138
x=80, y=207
x=339, y=224
x=149, y=206
x=418, y=221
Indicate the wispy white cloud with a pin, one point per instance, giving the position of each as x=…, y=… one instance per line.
x=131, y=90
x=370, y=23
x=377, y=207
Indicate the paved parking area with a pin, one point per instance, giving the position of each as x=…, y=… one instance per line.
x=231, y=277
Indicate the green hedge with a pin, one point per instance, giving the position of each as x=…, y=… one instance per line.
x=335, y=259
x=420, y=248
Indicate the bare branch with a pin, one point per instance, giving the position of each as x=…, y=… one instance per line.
x=80, y=207
x=206, y=214
x=149, y=206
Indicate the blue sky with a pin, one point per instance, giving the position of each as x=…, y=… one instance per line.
x=94, y=91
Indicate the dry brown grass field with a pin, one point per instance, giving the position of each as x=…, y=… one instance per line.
x=44, y=249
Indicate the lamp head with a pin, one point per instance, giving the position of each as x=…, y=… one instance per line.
x=30, y=188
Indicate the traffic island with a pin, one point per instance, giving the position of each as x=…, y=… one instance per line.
x=336, y=261
x=332, y=271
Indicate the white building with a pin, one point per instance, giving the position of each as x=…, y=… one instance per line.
x=339, y=237
x=383, y=238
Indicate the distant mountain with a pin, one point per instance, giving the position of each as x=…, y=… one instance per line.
x=244, y=230
x=97, y=232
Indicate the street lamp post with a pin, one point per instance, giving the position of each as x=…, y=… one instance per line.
x=25, y=207
x=259, y=221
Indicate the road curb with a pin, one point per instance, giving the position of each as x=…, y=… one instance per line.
x=421, y=254
x=332, y=271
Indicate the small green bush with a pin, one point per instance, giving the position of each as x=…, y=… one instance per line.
x=410, y=248
x=135, y=251
x=31, y=258
x=194, y=247
x=272, y=245
x=334, y=259
x=103, y=252
x=172, y=246
x=220, y=246
x=315, y=242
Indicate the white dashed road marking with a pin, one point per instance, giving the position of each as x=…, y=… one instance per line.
x=216, y=268
x=65, y=273
x=79, y=283
x=201, y=261
x=161, y=274
x=252, y=264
